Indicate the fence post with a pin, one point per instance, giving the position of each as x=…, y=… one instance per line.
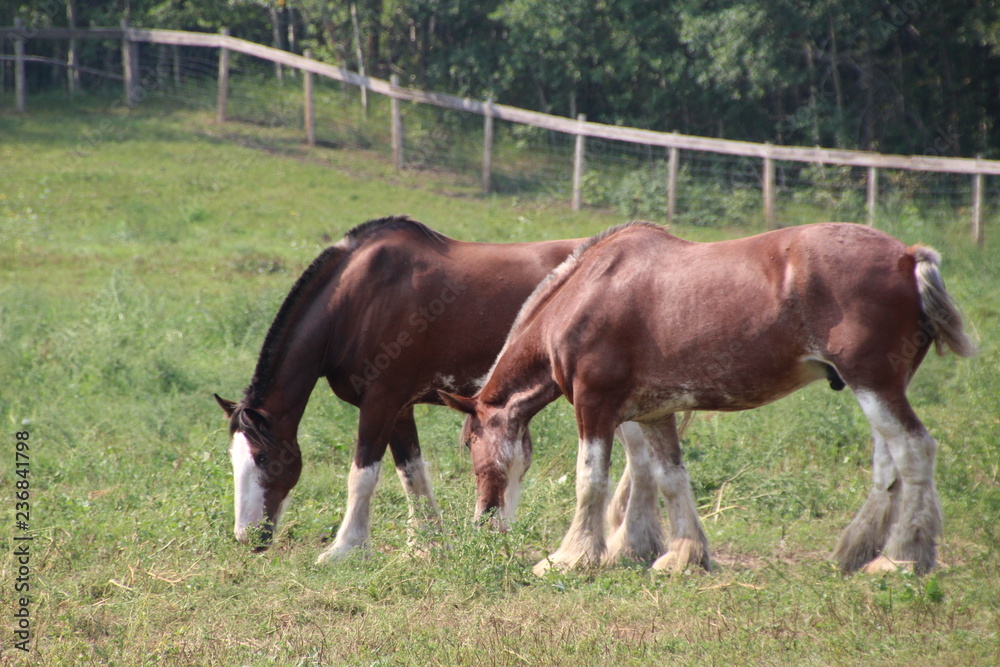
x=977, y=207
x=130, y=66
x=578, y=157
x=223, y=96
x=310, y=116
x=769, y=213
x=73, y=54
x=360, y=55
x=672, y=183
x=488, y=147
x=19, y=65
x=397, y=126
x=872, y=194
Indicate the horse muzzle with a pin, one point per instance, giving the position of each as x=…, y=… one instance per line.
x=258, y=536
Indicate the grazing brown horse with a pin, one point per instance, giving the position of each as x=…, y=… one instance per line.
x=638, y=324
x=389, y=315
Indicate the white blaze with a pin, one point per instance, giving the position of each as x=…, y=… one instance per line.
x=249, y=492
x=515, y=475
x=514, y=463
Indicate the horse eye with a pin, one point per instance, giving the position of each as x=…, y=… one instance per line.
x=260, y=459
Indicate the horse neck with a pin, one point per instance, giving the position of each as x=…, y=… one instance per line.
x=285, y=403
x=300, y=360
x=521, y=381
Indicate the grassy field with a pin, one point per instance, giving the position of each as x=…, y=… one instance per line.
x=143, y=255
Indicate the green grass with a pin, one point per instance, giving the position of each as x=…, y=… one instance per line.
x=142, y=257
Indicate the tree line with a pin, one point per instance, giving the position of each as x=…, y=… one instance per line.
x=902, y=76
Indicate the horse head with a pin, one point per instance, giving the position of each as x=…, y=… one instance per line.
x=501, y=453
x=265, y=468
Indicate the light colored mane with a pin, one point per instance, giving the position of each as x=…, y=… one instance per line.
x=552, y=282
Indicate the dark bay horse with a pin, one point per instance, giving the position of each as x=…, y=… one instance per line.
x=638, y=324
x=389, y=315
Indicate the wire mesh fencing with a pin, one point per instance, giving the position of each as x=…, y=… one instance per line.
x=688, y=186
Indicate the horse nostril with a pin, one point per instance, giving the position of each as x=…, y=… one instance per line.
x=266, y=535
x=488, y=517
x=259, y=537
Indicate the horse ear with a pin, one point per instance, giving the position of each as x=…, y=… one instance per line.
x=227, y=406
x=257, y=417
x=460, y=403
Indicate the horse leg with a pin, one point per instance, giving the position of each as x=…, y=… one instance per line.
x=912, y=538
x=412, y=472
x=584, y=543
x=374, y=426
x=864, y=537
x=619, y=502
x=688, y=544
x=634, y=514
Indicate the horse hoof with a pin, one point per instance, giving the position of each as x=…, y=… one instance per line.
x=562, y=563
x=555, y=563
x=683, y=554
x=670, y=562
x=886, y=564
x=543, y=567
x=328, y=558
x=629, y=555
x=624, y=548
x=337, y=554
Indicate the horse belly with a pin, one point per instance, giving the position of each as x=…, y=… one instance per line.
x=739, y=386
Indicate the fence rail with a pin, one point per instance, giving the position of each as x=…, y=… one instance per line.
x=580, y=128
x=60, y=63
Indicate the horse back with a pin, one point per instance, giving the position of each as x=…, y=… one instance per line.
x=732, y=324
x=412, y=314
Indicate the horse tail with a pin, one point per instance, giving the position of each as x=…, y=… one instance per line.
x=941, y=312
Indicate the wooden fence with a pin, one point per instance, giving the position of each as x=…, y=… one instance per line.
x=580, y=128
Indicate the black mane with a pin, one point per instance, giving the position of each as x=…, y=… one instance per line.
x=330, y=261
x=367, y=230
